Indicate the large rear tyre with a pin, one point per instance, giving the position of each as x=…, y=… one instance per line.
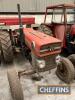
x=15, y=86
x=6, y=47
x=65, y=70
x=45, y=29
x=72, y=59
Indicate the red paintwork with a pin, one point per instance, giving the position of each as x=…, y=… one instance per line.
x=15, y=20
x=73, y=29
x=40, y=40
x=59, y=31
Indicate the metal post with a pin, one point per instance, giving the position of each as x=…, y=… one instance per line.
x=21, y=37
x=45, y=16
x=19, y=15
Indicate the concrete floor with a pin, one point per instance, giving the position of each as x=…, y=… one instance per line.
x=30, y=88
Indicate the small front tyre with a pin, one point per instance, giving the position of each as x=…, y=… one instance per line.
x=72, y=59
x=65, y=70
x=15, y=86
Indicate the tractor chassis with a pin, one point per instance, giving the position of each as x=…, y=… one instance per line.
x=25, y=72
x=30, y=72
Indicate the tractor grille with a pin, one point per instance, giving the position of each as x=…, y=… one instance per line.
x=50, y=63
x=50, y=48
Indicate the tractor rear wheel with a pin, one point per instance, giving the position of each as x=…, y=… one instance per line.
x=45, y=29
x=65, y=70
x=72, y=59
x=6, y=47
x=15, y=86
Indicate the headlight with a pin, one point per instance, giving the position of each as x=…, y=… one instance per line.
x=41, y=63
x=58, y=59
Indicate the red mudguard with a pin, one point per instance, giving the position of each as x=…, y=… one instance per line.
x=15, y=20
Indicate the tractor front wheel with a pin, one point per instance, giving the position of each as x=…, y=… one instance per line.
x=72, y=59
x=15, y=86
x=65, y=70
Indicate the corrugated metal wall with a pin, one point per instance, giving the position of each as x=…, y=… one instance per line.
x=28, y=5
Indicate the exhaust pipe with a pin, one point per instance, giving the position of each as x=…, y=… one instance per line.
x=21, y=37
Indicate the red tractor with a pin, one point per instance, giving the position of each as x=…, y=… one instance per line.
x=9, y=42
x=61, y=24
x=41, y=50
